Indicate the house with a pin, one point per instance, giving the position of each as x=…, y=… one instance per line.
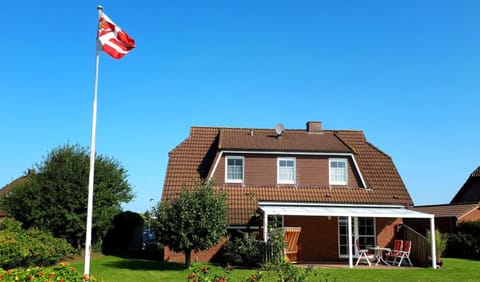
x=333, y=184
x=7, y=188
x=470, y=191
x=447, y=216
x=464, y=206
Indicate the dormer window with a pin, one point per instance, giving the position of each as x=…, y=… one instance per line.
x=338, y=171
x=286, y=171
x=234, y=169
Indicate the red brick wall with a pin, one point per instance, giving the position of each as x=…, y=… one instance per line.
x=318, y=238
x=471, y=216
x=387, y=231
x=203, y=256
x=261, y=170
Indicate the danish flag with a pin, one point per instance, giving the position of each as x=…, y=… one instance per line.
x=112, y=39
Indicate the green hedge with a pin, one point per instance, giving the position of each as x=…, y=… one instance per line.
x=465, y=243
x=32, y=247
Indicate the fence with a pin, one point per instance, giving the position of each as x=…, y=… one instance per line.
x=419, y=252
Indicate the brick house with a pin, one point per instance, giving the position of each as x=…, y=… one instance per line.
x=464, y=206
x=333, y=184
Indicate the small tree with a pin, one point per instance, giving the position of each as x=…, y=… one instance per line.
x=54, y=198
x=195, y=221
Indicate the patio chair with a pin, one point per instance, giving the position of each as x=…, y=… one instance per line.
x=292, y=249
x=395, y=252
x=405, y=253
x=363, y=254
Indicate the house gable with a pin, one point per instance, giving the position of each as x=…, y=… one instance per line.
x=470, y=191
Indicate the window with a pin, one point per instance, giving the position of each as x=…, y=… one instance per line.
x=338, y=171
x=286, y=171
x=234, y=169
x=363, y=229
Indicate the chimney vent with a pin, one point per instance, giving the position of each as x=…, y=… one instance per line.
x=314, y=126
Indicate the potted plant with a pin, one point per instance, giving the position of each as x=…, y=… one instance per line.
x=440, y=245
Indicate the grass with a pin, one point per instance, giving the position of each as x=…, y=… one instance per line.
x=120, y=269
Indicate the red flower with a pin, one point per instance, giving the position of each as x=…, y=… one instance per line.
x=85, y=277
x=52, y=274
x=204, y=269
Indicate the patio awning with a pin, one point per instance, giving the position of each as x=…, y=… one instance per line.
x=344, y=210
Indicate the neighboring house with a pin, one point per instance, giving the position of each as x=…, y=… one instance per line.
x=465, y=206
x=333, y=184
x=470, y=191
x=447, y=216
x=6, y=189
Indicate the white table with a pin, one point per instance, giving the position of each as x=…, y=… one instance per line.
x=378, y=251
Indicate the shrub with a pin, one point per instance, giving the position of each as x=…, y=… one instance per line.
x=466, y=242
x=32, y=247
x=60, y=273
x=244, y=250
x=203, y=275
x=286, y=271
x=440, y=243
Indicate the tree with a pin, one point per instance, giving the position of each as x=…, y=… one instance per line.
x=54, y=198
x=196, y=220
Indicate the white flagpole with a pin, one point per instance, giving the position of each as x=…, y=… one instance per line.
x=88, y=237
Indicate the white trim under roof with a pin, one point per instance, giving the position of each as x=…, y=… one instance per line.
x=344, y=210
x=290, y=153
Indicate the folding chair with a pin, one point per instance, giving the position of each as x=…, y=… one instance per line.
x=395, y=252
x=363, y=254
x=405, y=253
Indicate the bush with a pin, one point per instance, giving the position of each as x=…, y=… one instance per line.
x=60, y=273
x=244, y=250
x=288, y=272
x=32, y=247
x=466, y=242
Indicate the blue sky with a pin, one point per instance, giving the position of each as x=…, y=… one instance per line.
x=407, y=73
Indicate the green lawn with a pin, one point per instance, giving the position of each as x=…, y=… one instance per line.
x=118, y=269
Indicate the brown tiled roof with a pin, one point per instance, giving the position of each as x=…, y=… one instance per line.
x=448, y=210
x=7, y=188
x=291, y=140
x=469, y=184
x=193, y=158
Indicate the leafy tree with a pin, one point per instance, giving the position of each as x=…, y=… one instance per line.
x=55, y=197
x=196, y=220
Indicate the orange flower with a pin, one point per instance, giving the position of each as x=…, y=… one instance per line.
x=51, y=275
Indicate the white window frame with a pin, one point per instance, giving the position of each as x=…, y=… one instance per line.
x=292, y=181
x=356, y=234
x=333, y=181
x=228, y=180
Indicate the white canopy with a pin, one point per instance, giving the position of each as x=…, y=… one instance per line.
x=344, y=210
x=355, y=211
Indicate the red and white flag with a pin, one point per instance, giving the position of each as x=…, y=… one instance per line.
x=112, y=39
